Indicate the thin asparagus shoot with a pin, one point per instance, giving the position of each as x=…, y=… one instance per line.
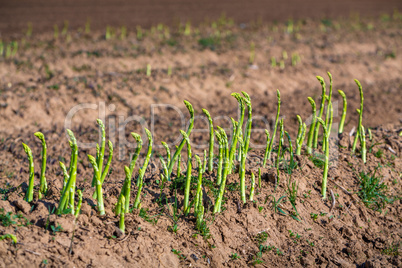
x=29, y=193
x=343, y=117
x=360, y=116
x=79, y=204
x=164, y=144
x=183, y=141
x=312, y=127
x=326, y=151
x=98, y=185
x=322, y=105
x=68, y=193
x=188, y=176
x=43, y=183
x=218, y=202
x=220, y=158
x=259, y=178
x=266, y=148
x=271, y=142
x=363, y=144
x=123, y=211
x=137, y=203
x=252, y=186
x=211, y=141
x=198, y=195
x=233, y=146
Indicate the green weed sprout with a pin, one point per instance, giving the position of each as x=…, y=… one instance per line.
x=312, y=126
x=29, y=30
x=271, y=142
x=29, y=193
x=273, y=62
x=43, y=183
x=211, y=141
x=233, y=146
x=188, y=176
x=187, y=29
x=198, y=195
x=363, y=144
x=252, y=186
x=137, y=203
x=252, y=53
x=79, y=204
x=181, y=145
x=220, y=157
x=88, y=26
x=360, y=112
x=343, y=117
x=149, y=69
x=266, y=148
x=67, y=197
x=218, y=202
x=55, y=31
x=100, y=155
x=322, y=105
x=300, y=135
x=9, y=236
x=123, y=33
x=65, y=28
x=139, y=32
x=326, y=151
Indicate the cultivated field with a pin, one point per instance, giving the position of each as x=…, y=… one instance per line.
x=297, y=198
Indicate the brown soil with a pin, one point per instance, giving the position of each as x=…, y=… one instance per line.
x=48, y=77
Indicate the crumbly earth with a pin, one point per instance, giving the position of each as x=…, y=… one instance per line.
x=48, y=78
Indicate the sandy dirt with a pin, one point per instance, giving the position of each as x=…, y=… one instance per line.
x=50, y=77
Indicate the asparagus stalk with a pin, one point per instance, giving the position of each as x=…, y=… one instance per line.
x=326, y=151
x=300, y=135
x=183, y=141
x=43, y=183
x=66, y=194
x=271, y=143
x=188, y=177
x=220, y=160
x=123, y=211
x=323, y=98
x=77, y=211
x=198, y=195
x=164, y=144
x=345, y=105
x=29, y=193
x=211, y=141
x=312, y=126
x=360, y=115
x=363, y=144
x=233, y=146
x=259, y=178
x=266, y=149
x=98, y=185
x=252, y=186
x=137, y=203
x=218, y=202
